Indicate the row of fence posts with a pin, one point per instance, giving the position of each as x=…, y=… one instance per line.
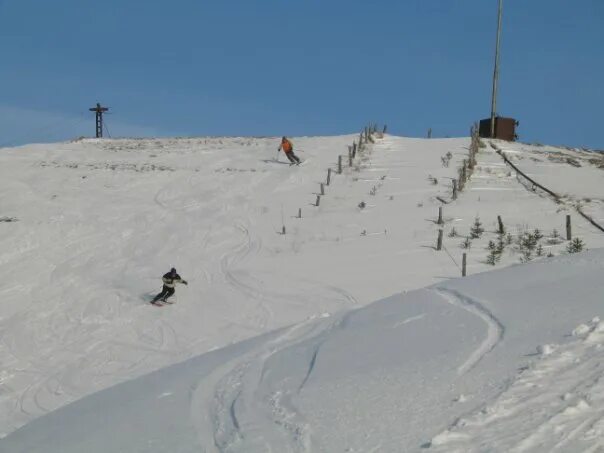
x=366, y=136
x=500, y=230
x=467, y=168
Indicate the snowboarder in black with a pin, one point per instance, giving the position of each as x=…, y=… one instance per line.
x=170, y=280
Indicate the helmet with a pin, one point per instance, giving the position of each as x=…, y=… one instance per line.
x=173, y=271
x=283, y=139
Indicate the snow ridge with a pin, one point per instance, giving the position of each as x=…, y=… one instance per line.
x=546, y=408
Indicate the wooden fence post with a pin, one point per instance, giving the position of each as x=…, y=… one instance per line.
x=455, y=189
x=440, y=215
x=299, y=213
x=328, y=176
x=463, y=172
x=463, y=264
x=283, y=230
x=340, y=165
x=354, y=149
x=439, y=242
x=318, y=200
x=322, y=189
x=569, y=234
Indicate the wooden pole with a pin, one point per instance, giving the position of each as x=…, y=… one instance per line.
x=569, y=234
x=463, y=171
x=439, y=242
x=322, y=189
x=440, y=215
x=500, y=222
x=328, y=176
x=340, y=165
x=463, y=264
x=283, y=231
x=455, y=189
x=354, y=149
x=299, y=213
x=318, y=200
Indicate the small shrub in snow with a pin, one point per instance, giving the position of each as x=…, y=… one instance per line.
x=491, y=246
x=528, y=242
x=527, y=255
x=550, y=255
x=555, y=234
x=446, y=159
x=477, y=229
x=493, y=257
x=575, y=246
x=509, y=239
x=453, y=233
x=537, y=234
x=466, y=244
x=539, y=250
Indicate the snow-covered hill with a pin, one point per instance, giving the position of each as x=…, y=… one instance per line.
x=89, y=227
x=501, y=361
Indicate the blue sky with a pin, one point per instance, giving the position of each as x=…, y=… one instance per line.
x=299, y=67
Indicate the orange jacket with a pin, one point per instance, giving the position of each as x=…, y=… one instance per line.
x=286, y=145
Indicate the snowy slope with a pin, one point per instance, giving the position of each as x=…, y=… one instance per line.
x=502, y=361
x=97, y=222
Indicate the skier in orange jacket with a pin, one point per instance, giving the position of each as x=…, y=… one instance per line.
x=288, y=149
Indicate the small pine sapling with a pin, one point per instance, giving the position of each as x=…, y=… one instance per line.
x=493, y=258
x=467, y=243
x=477, y=229
x=575, y=246
x=539, y=250
x=538, y=235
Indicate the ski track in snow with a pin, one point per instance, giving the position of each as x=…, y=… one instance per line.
x=554, y=405
x=242, y=408
x=495, y=330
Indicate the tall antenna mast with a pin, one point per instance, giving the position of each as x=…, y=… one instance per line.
x=496, y=72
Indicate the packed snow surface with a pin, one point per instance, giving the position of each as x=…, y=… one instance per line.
x=89, y=227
